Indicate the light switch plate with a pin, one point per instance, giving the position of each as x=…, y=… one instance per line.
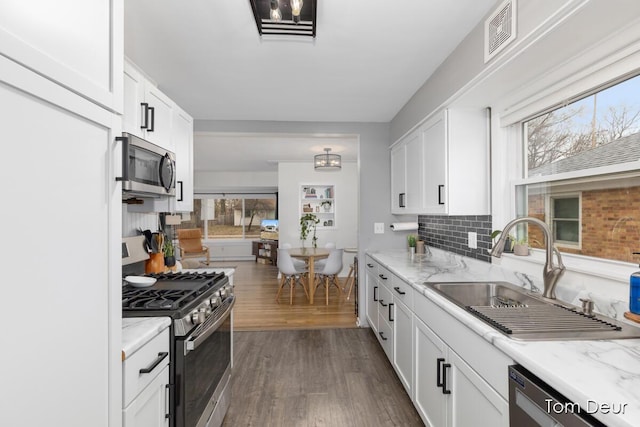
x=378, y=228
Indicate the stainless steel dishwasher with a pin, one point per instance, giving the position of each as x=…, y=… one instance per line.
x=533, y=403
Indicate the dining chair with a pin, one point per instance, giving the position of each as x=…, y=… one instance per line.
x=298, y=263
x=321, y=262
x=329, y=272
x=291, y=275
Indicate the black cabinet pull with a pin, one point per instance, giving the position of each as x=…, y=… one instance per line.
x=390, y=310
x=145, y=115
x=401, y=202
x=382, y=276
x=160, y=358
x=439, y=362
x=398, y=290
x=152, y=127
x=181, y=191
x=370, y=265
x=445, y=366
x=382, y=336
x=440, y=188
x=375, y=297
x=382, y=303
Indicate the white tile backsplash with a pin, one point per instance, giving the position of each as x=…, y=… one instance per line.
x=132, y=221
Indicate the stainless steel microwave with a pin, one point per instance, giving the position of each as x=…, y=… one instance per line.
x=147, y=169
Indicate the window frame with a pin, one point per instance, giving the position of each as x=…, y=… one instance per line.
x=549, y=213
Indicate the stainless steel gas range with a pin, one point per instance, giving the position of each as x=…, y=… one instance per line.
x=200, y=305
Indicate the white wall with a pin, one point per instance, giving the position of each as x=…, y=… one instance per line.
x=291, y=176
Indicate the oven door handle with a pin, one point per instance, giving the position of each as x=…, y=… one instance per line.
x=193, y=342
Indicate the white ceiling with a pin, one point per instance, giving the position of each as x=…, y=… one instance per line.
x=368, y=59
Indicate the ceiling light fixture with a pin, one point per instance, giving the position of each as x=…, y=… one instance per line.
x=327, y=162
x=275, y=13
x=285, y=17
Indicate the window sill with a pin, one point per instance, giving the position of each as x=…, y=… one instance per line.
x=596, y=267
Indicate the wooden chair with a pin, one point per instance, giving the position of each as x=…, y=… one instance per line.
x=190, y=244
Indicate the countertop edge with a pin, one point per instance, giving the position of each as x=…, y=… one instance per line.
x=137, y=331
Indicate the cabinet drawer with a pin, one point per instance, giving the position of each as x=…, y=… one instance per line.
x=372, y=266
x=384, y=277
x=402, y=291
x=134, y=381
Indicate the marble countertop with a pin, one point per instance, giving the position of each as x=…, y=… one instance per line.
x=590, y=373
x=137, y=331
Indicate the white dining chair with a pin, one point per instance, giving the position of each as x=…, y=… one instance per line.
x=328, y=274
x=298, y=263
x=291, y=275
x=320, y=263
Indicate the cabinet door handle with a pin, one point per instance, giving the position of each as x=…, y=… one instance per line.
x=440, y=188
x=382, y=303
x=439, y=362
x=375, y=297
x=382, y=336
x=397, y=289
x=382, y=276
x=181, y=191
x=160, y=358
x=369, y=265
x=445, y=366
x=401, y=201
x=390, y=310
x=145, y=115
x=167, y=410
x=152, y=127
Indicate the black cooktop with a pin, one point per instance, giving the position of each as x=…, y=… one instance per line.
x=173, y=292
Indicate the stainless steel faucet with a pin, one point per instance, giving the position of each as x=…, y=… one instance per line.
x=551, y=273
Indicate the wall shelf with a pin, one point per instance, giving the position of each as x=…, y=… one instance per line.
x=319, y=199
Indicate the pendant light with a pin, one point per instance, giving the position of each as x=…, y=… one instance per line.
x=327, y=161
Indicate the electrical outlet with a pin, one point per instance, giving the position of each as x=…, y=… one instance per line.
x=378, y=227
x=472, y=240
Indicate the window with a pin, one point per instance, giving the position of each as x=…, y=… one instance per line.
x=231, y=217
x=565, y=220
x=582, y=173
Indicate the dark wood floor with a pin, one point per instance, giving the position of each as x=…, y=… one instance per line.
x=318, y=377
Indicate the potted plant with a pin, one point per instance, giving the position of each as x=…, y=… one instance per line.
x=508, y=242
x=326, y=204
x=411, y=240
x=169, y=252
x=521, y=247
x=308, y=223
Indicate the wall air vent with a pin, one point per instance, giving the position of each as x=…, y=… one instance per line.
x=499, y=29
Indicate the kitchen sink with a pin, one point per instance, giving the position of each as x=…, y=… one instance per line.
x=524, y=315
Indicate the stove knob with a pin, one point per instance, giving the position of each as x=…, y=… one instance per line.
x=223, y=292
x=215, y=302
x=198, y=316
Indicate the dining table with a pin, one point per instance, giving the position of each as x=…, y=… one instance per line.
x=310, y=255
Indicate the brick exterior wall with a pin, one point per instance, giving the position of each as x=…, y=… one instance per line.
x=610, y=224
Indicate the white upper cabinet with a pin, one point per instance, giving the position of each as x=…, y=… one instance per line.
x=148, y=112
x=442, y=167
x=407, y=171
x=182, y=136
x=77, y=44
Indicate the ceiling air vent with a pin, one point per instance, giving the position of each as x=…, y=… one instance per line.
x=499, y=29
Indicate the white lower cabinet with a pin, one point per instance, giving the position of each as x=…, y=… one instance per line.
x=448, y=392
x=371, y=283
x=149, y=407
x=145, y=384
x=453, y=376
x=403, y=349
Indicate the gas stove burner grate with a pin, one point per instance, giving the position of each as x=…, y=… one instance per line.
x=186, y=276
